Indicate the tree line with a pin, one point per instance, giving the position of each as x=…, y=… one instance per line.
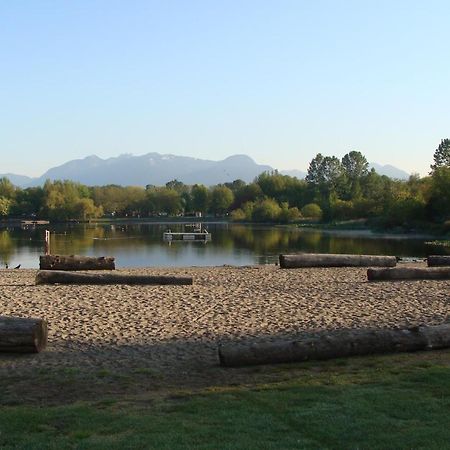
x=334, y=190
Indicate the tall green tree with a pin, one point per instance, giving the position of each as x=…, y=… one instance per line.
x=247, y=193
x=164, y=200
x=355, y=167
x=84, y=209
x=28, y=202
x=325, y=171
x=296, y=192
x=184, y=191
x=7, y=189
x=333, y=171
x=61, y=199
x=200, y=198
x=315, y=175
x=439, y=201
x=441, y=155
x=326, y=179
x=272, y=184
x=221, y=199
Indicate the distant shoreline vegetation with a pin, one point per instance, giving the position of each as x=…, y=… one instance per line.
x=339, y=193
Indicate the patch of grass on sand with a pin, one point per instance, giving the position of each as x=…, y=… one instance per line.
x=399, y=403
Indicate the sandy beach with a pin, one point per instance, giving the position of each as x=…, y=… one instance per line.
x=176, y=329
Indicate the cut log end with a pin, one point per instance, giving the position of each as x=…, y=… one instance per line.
x=40, y=336
x=23, y=335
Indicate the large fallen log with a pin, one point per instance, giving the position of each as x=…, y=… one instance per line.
x=22, y=335
x=438, y=260
x=75, y=262
x=336, y=345
x=335, y=260
x=62, y=277
x=409, y=273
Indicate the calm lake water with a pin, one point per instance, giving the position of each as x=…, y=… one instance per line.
x=142, y=245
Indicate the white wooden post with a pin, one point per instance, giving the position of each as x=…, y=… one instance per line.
x=47, y=242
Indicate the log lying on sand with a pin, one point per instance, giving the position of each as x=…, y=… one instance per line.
x=409, y=273
x=62, y=277
x=75, y=262
x=438, y=260
x=335, y=260
x=22, y=335
x=337, y=344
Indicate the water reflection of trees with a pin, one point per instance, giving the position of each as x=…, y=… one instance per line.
x=260, y=242
x=6, y=247
x=13, y=240
x=76, y=240
x=279, y=240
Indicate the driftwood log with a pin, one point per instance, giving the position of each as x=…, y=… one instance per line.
x=336, y=345
x=335, y=260
x=62, y=277
x=438, y=260
x=409, y=273
x=22, y=335
x=75, y=262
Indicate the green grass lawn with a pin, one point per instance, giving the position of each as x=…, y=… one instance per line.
x=392, y=401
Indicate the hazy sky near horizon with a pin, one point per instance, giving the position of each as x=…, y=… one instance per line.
x=277, y=80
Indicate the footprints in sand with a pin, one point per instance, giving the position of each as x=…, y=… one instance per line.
x=172, y=326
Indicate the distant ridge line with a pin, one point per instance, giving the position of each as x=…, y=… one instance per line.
x=157, y=169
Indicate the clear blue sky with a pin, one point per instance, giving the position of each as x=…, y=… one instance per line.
x=278, y=80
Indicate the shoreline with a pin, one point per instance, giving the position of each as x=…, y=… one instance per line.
x=326, y=227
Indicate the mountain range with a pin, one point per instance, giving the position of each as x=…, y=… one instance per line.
x=157, y=169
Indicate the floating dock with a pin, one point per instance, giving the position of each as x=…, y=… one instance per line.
x=22, y=223
x=201, y=236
